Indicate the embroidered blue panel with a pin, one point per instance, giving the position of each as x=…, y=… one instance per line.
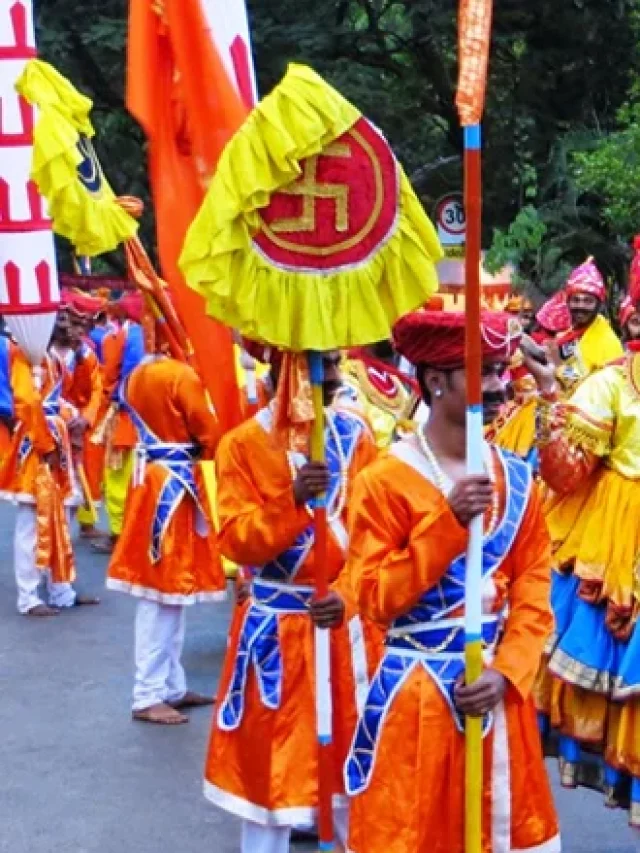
x=259, y=642
x=448, y=594
x=259, y=646
x=348, y=430
x=177, y=460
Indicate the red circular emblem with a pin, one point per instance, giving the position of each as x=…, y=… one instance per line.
x=339, y=211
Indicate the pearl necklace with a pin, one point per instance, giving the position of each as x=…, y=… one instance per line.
x=442, y=481
x=334, y=512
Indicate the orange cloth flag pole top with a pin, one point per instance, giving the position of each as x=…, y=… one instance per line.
x=180, y=93
x=474, y=45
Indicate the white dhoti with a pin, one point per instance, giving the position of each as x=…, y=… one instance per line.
x=159, y=640
x=28, y=576
x=275, y=839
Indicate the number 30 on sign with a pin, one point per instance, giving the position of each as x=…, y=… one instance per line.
x=451, y=220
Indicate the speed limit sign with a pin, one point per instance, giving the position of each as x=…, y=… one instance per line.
x=451, y=220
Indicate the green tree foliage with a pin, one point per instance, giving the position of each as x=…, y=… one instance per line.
x=558, y=66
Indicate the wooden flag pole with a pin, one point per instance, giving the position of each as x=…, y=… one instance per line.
x=324, y=709
x=473, y=588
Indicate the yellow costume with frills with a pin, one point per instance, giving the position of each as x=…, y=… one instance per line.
x=590, y=688
x=515, y=429
x=593, y=350
x=603, y=417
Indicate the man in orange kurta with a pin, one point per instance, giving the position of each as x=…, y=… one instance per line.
x=123, y=349
x=408, y=538
x=262, y=758
x=85, y=396
x=39, y=439
x=167, y=554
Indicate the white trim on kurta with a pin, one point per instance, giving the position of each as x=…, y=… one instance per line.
x=359, y=663
x=295, y=816
x=553, y=845
x=151, y=594
x=500, y=784
x=27, y=498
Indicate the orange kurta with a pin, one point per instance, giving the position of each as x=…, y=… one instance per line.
x=19, y=469
x=170, y=399
x=403, y=538
x=265, y=770
x=87, y=397
x=122, y=433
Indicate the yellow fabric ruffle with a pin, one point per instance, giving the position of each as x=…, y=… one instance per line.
x=519, y=432
x=588, y=527
x=599, y=345
x=91, y=219
x=296, y=309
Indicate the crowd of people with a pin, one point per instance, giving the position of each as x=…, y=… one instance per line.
x=108, y=416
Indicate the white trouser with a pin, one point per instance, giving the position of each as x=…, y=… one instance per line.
x=159, y=638
x=28, y=576
x=275, y=839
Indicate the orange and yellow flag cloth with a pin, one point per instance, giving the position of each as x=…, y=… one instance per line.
x=180, y=93
x=473, y=51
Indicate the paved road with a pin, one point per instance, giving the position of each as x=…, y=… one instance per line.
x=76, y=776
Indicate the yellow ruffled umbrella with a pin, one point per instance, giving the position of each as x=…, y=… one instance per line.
x=311, y=239
x=82, y=205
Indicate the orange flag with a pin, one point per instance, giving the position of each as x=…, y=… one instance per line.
x=474, y=37
x=179, y=91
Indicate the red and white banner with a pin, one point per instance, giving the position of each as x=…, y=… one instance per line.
x=229, y=26
x=29, y=290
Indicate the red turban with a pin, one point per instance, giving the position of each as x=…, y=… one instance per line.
x=132, y=306
x=554, y=315
x=587, y=279
x=626, y=312
x=80, y=303
x=436, y=338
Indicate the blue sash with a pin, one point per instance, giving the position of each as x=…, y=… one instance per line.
x=177, y=460
x=7, y=408
x=274, y=595
x=426, y=637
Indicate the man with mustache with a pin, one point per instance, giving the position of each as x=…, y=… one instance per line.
x=262, y=758
x=409, y=519
x=590, y=343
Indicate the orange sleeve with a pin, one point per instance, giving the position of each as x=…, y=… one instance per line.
x=87, y=385
x=565, y=466
x=112, y=351
x=28, y=405
x=390, y=562
x=202, y=423
x=530, y=620
x=253, y=530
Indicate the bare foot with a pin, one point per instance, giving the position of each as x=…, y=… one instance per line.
x=42, y=611
x=86, y=601
x=193, y=700
x=160, y=715
x=93, y=533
